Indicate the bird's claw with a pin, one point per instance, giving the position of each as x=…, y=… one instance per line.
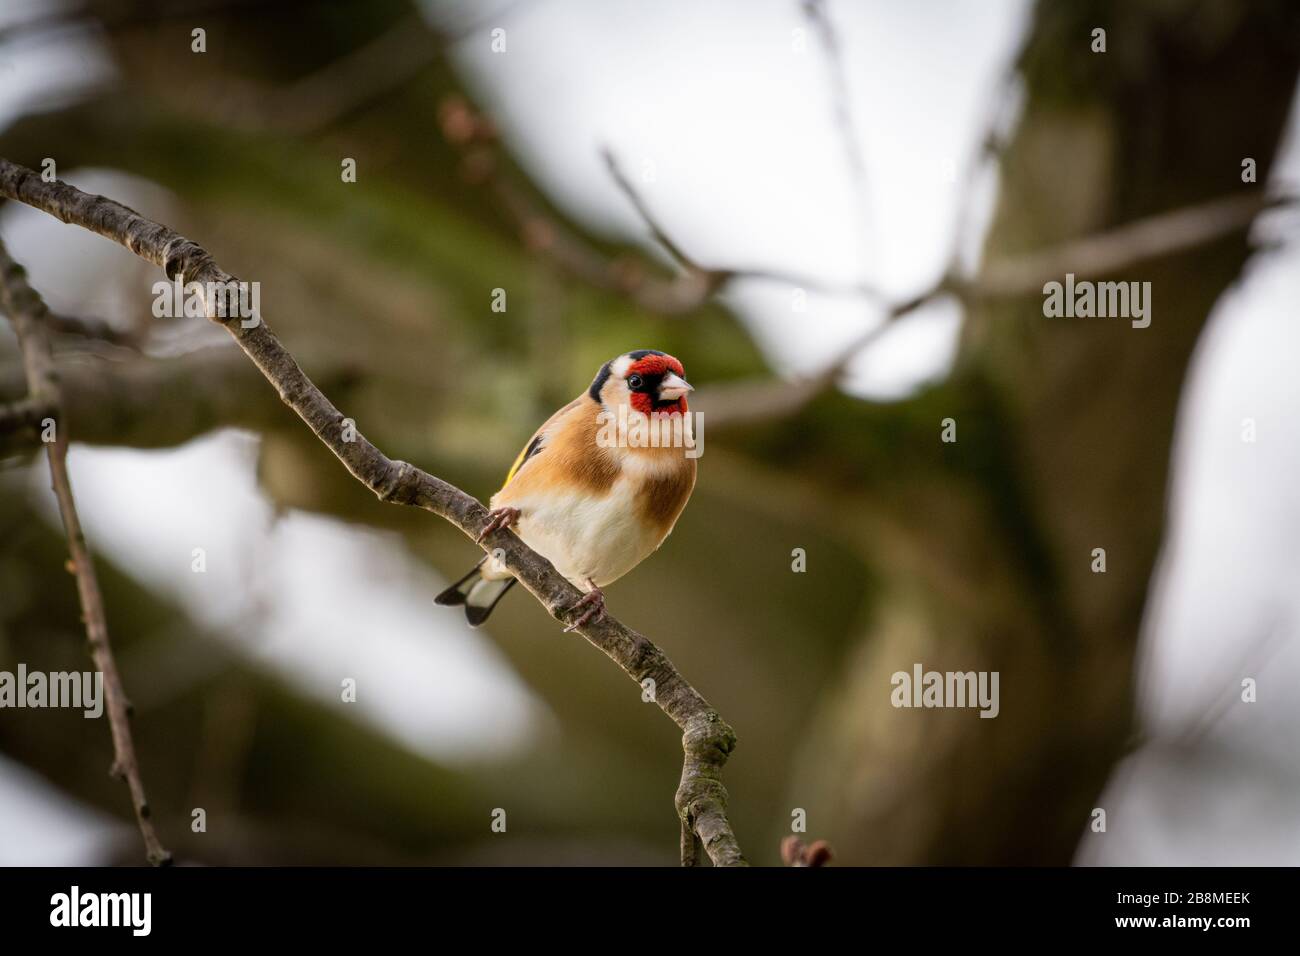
x=498, y=518
x=594, y=602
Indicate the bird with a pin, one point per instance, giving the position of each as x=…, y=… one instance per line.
x=587, y=493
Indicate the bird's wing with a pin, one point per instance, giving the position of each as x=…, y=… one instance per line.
x=535, y=444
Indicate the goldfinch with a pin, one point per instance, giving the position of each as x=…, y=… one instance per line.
x=588, y=491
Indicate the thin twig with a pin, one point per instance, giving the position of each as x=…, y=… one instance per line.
x=25, y=415
x=91, y=328
x=711, y=279
x=27, y=312
x=366, y=74
x=749, y=402
x=643, y=210
x=837, y=76
x=628, y=276
x=346, y=84
x=139, y=401
x=706, y=738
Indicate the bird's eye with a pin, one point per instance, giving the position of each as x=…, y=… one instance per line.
x=635, y=381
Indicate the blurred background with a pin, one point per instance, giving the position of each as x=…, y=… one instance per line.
x=810, y=165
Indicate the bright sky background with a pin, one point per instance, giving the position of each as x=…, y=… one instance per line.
x=728, y=127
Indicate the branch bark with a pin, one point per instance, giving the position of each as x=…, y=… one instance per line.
x=706, y=739
x=27, y=312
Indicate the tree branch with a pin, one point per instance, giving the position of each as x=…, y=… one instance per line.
x=27, y=312
x=1101, y=254
x=25, y=416
x=91, y=328
x=138, y=401
x=1151, y=237
x=643, y=210
x=706, y=738
x=624, y=275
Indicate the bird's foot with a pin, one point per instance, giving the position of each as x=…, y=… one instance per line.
x=498, y=518
x=593, y=601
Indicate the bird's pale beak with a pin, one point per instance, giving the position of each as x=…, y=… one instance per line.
x=673, y=387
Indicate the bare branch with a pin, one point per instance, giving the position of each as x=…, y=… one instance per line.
x=643, y=210
x=27, y=312
x=346, y=84
x=91, y=328
x=746, y=403
x=690, y=846
x=706, y=738
x=624, y=275
x=542, y=234
x=24, y=415
x=711, y=278
x=141, y=401
x=1103, y=253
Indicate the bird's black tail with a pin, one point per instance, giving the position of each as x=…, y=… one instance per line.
x=478, y=595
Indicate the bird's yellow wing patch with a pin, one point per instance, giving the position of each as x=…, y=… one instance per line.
x=535, y=443
x=529, y=450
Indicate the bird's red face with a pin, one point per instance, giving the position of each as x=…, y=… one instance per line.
x=656, y=383
x=646, y=380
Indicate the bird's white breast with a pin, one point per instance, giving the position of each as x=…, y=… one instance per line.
x=585, y=535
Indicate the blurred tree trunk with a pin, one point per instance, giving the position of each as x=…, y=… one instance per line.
x=1064, y=436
